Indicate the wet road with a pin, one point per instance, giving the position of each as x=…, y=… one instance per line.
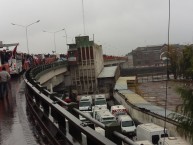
x=15, y=129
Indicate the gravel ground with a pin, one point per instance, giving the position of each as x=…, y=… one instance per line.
x=155, y=92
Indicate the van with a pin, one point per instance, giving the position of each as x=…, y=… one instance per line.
x=127, y=125
x=100, y=100
x=105, y=117
x=150, y=132
x=117, y=110
x=97, y=109
x=85, y=103
x=172, y=141
x=144, y=142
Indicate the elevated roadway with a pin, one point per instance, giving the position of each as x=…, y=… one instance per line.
x=46, y=77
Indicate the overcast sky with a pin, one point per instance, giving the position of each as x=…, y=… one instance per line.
x=118, y=25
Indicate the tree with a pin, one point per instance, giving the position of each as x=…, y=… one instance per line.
x=185, y=126
x=187, y=62
x=175, y=56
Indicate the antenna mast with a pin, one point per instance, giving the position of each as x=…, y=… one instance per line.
x=83, y=16
x=167, y=68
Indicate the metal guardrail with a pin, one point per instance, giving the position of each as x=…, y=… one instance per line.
x=145, y=111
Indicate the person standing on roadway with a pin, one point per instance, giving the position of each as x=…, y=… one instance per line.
x=4, y=78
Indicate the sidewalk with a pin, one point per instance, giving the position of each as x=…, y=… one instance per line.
x=15, y=129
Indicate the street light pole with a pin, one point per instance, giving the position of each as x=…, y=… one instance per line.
x=54, y=33
x=66, y=37
x=26, y=29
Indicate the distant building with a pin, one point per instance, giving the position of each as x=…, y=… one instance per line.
x=107, y=79
x=130, y=60
x=85, y=60
x=147, y=56
x=121, y=61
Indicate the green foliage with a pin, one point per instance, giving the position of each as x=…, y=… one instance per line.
x=175, y=56
x=185, y=127
x=187, y=62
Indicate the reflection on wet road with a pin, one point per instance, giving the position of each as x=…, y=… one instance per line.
x=15, y=128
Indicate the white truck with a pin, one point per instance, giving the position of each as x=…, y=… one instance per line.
x=127, y=125
x=105, y=117
x=172, y=141
x=100, y=100
x=150, y=132
x=85, y=103
x=97, y=109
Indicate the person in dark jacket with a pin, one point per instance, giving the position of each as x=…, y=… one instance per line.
x=4, y=79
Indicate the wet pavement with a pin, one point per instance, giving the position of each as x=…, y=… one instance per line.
x=15, y=129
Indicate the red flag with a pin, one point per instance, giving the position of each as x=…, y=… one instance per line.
x=14, y=51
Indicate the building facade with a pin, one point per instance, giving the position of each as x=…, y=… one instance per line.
x=85, y=60
x=147, y=56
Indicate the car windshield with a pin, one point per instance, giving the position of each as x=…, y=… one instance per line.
x=100, y=102
x=127, y=123
x=84, y=104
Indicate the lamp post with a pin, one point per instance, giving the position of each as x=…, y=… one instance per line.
x=54, y=33
x=65, y=36
x=164, y=56
x=26, y=28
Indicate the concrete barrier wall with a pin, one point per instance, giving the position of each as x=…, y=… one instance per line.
x=144, y=117
x=48, y=75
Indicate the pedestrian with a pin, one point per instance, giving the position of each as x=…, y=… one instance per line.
x=4, y=79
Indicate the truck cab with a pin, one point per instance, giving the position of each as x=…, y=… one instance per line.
x=100, y=100
x=127, y=125
x=85, y=103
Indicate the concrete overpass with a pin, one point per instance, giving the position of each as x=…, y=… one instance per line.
x=53, y=76
x=45, y=78
x=113, y=62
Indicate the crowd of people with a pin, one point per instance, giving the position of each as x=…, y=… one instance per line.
x=28, y=61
